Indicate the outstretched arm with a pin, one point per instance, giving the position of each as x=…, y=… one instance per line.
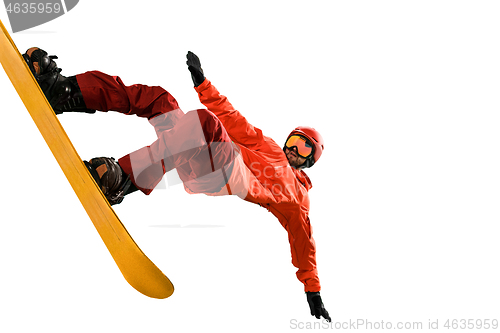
x=304, y=257
x=236, y=125
x=303, y=250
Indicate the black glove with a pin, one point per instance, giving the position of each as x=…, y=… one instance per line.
x=316, y=306
x=194, y=66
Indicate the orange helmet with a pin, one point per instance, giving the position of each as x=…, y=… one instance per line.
x=315, y=138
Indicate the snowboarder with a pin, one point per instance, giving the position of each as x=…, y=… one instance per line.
x=215, y=151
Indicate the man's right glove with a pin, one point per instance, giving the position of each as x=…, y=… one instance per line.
x=316, y=306
x=194, y=66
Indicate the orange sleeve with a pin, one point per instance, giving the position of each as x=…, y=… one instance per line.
x=303, y=250
x=236, y=125
x=302, y=245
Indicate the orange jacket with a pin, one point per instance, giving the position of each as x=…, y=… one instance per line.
x=271, y=181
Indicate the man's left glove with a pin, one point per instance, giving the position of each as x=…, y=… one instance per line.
x=194, y=66
x=316, y=306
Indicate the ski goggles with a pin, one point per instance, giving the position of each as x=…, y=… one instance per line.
x=304, y=147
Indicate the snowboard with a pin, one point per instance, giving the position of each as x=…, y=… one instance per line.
x=139, y=271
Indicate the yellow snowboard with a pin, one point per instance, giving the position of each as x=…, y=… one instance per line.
x=140, y=272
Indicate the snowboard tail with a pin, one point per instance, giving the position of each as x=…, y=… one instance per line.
x=139, y=271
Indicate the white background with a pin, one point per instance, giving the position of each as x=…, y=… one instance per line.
x=405, y=204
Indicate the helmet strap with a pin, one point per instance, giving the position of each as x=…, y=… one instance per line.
x=308, y=163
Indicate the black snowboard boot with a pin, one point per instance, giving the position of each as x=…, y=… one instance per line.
x=112, y=181
x=63, y=93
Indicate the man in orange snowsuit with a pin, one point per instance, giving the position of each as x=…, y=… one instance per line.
x=215, y=152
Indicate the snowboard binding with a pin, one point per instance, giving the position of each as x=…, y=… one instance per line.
x=63, y=93
x=110, y=178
